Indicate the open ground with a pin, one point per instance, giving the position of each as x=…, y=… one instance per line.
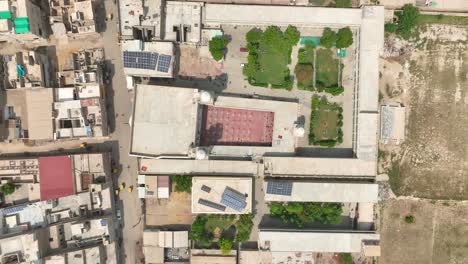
x=429, y=76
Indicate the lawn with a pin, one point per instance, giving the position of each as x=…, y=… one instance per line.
x=442, y=19
x=326, y=120
x=304, y=69
x=325, y=127
x=327, y=69
x=269, y=56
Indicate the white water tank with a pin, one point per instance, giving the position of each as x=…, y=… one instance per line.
x=205, y=97
x=200, y=154
x=299, y=131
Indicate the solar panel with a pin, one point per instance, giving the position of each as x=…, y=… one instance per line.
x=163, y=63
x=233, y=199
x=140, y=59
x=206, y=188
x=212, y=205
x=279, y=188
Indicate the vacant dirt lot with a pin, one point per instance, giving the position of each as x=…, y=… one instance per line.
x=438, y=235
x=430, y=77
x=198, y=63
x=173, y=211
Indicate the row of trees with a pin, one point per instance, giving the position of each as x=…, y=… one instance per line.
x=308, y=212
x=342, y=39
x=407, y=21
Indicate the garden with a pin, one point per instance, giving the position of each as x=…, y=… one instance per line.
x=269, y=56
x=326, y=120
x=221, y=231
x=299, y=213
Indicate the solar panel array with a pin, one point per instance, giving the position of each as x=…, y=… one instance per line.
x=163, y=63
x=279, y=188
x=233, y=199
x=206, y=188
x=212, y=205
x=140, y=59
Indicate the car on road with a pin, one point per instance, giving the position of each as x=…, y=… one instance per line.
x=118, y=214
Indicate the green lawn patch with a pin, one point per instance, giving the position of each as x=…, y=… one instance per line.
x=304, y=70
x=327, y=72
x=326, y=120
x=442, y=19
x=308, y=212
x=206, y=230
x=269, y=56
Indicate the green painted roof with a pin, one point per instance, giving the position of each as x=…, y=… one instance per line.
x=21, y=25
x=5, y=15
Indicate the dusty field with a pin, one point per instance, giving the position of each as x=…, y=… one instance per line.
x=439, y=234
x=430, y=77
x=173, y=211
x=198, y=63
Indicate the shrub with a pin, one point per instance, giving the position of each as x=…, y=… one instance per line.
x=225, y=245
x=335, y=90
x=7, y=188
x=407, y=20
x=391, y=27
x=244, y=227
x=346, y=258
x=292, y=35
x=343, y=3
x=409, y=219
x=300, y=213
x=253, y=36
x=198, y=228
x=217, y=45
x=344, y=38
x=328, y=38
x=182, y=183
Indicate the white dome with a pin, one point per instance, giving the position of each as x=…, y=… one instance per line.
x=299, y=131
x=205, y=97
x=200, y=154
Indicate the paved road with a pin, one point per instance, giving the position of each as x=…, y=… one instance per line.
x=120, y=133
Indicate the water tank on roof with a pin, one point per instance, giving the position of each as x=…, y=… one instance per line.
x=299, y=131
x=205, y=97
x=200, y=154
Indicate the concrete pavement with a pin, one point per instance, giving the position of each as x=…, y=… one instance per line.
x=120, y=132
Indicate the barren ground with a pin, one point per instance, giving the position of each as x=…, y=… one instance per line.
x=429, y=77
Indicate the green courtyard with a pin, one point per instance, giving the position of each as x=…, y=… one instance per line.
x=326, y=120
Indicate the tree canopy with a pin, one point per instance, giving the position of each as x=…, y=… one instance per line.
x=292, y=35
x=254, y=35
x=244, y=227
x=217, y=46
x=225, y=245
x=407, y=20
x=302, y=213
x=7, y=188
x=328, y=38
x=344, y=38
x=182, y=183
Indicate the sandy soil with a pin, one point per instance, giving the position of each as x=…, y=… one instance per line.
x=198, y=63
x=438, y=235
x=430, y=77
x=173, y=211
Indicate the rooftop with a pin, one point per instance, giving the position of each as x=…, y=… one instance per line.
x=183, y=21
x=392, y=124
x=310, y=241
x=300, y=191
x=148, y=59
x=222, y=195
x=56, y=177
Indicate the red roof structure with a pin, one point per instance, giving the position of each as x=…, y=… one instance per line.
x=236, y=127
x=56, y=177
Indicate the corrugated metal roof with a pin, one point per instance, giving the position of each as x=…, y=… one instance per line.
x=5, y=15
x=163, y=181
x=21, y=25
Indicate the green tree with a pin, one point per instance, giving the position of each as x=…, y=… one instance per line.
x=409, y=219
x=344, y=38
x=244, y=227
x=225, y=245
x=346, y=258
x=292, y=35
x=198, y=228
x=391, y=27
x=294, y=208
x=407, y=20
x=217, y=46
x=273, y=36
x=182, y=183
x=328, y=38
x=254, y=35
x=343, y=3
x=7, y=188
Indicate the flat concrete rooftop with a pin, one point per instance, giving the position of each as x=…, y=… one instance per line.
x=164, y=120
x=215, y=190
x=329, y=192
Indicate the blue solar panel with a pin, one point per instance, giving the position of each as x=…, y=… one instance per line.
x=140, y=59
x=233, y=199
x=279, y=188
x=163, y=63
x=212, y=205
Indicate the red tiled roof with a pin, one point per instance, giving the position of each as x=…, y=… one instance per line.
x=236, y=127
x=56, y=177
